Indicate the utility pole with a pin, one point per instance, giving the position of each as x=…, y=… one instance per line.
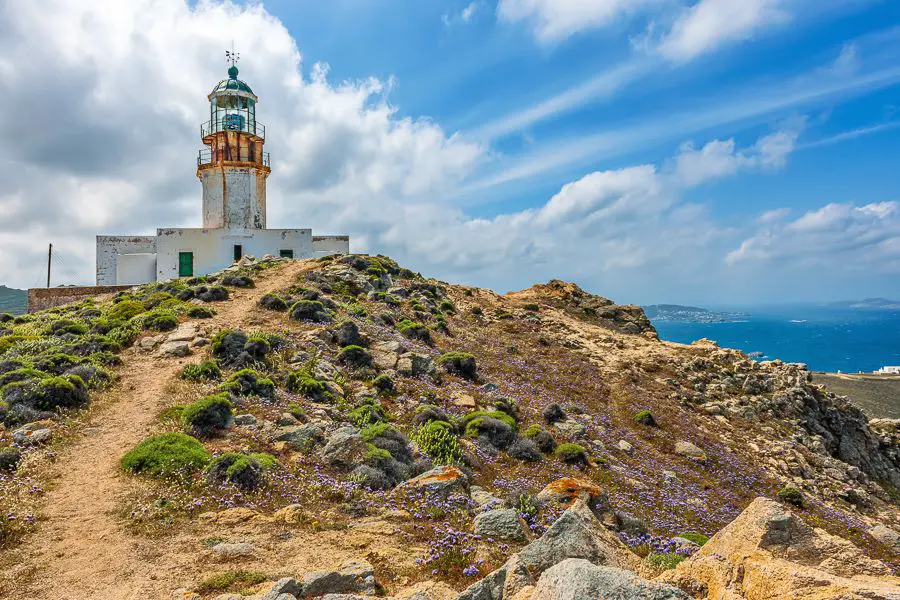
x=49, y=258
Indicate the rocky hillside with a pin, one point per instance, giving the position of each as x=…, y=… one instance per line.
x=345, y=428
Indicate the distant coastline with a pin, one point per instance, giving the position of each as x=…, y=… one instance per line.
x=690, y=314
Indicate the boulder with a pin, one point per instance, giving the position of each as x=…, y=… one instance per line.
x=501, y=524
x=301, y=437
x=779, y=556
x=414, y=365
x=32, y=434
x=184, y=332
x=440, y=481
x=353, y=576
x=287, y=586
x=690, y=450
x=174, y=349
x=578, y=579
x=348, y=335
x=564, y=492
x=886, y=536
x=385, y=354
x=345, y=448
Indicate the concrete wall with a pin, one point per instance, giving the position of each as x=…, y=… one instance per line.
x=132, y=269
x=43, y=298
x=331, y=244
x=234, y=197
x=110, y=246
x=214, y=248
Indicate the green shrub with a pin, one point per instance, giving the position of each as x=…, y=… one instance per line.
x=447, y=306
x=124, y=335
x=257, y=347
x=200, y=312
x=383, y=383
x=459, y=363
x=354, y=356
x=273, y=302
x=437, y=440
x=375, y=430
x=154, y=300
x=374, y=455
x=304, y=382
x=309, y=310
x=21, y=375
x=664, y=561
x=64, y=326
x=531, y=307
x=50, y=393
x=230, y=581
x=166, y=455
x=159, y=321
x=480, y=414
x=414, y=331
x=697, y=538
x=126, y=310
x=296, y=411
x=57, y=363
x=571, y=454
x=243, y=470
x=791, y=496
x=207, y=370
x=367, y=413
x=207, y=414
x=645, y=417
x=248, y=382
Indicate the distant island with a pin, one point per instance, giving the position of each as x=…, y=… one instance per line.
x=869, y=303
x=13, y=301
x=689, y=314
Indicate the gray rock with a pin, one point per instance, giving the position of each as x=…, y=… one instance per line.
x=345, y=448
x=302, y=438
x=385, y=354
x=625, y=447
x=287, y=586
x=353, y=576
x=413, y=365
x=174, y=349
x=244, y=420
x=233, y=550
x=483, y=498
x=348, y=335
x=886, y=536
x=184, y=332
x=690, y=450
x=570, y=428
x=578, y=579
x=32, y=434
x=501, y=524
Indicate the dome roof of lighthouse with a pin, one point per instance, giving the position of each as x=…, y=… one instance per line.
x=232, y=86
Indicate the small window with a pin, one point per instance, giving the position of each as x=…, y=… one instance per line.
x=238, y=252
x=286, y=253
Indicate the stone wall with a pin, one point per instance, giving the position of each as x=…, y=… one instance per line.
x=43, y=298
x=110, y=246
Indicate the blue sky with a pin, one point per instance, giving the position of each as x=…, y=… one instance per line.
x=696, y=151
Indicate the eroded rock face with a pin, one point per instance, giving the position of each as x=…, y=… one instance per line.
x=564, y=492
x=578, y=579
x=778, y=556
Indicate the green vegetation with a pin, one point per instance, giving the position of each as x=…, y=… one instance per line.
x=664, y=561
x=200, y=312
x=273, y=302
x=126, y=310
x=469, y=418
x=447, y=306
x=166, y=455
x=369, y=411
x=205, y=371
x=243, y=470
x=383, y=383
x=230, y=581
x=304, y=382
x=437, y=440
x=208, y=414
x=697, y=538
x=791, y=496
x=414, y=330
x=645, y=417
x=531, y=307
x=354, y=356
x=572, y=454
x=248, y=382
x=158, y=320
x=459, y=363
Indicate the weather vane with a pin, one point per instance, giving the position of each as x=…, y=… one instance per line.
x=231, y=55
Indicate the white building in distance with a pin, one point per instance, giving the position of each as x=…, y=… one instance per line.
x=233, y=169
x=888, y=371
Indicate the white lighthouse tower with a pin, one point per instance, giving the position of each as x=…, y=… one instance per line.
x=233, y=169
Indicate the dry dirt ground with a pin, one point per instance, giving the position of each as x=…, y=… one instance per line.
x=877, y=395
x=83, y=550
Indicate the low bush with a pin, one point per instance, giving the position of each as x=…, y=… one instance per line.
x=553, y=413
x=273, y=302
x=57, y=363
x=50, y=393
x=159, y=321
x=524, y=449
x=213, y=293
x=571, y=454
x=427, y=413
x=791, y=496
x=500, y=416
x=205, y=371
x=200, y=312
x=21, y=375
x=309, y=310
x=257, y=347
x=531, y=307
x=9, y=459
x=645, y=417
x=246, y=471
x=438, y=440
x=125, y=310
x=384, y=384
x=354, y=356
x=414, y=331
x=304, y=382
x=166, y=455
x=447, y=306
x=498, y=432
x=369, y=411
x=697, y=538
x=64, y=326
x=207, y=415
x=241, y=281
x=248, y=382
x=230, y=581
x=459, y=363
x=93, y=376
x=154, y=300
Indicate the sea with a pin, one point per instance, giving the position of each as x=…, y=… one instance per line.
x=826, y=338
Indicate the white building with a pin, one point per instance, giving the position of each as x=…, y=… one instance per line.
x=233, y=169
x=888, y=371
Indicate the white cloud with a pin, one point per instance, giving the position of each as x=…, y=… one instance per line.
x=834, y=238
x=709, y=24
x=555, y=20
x=463, y=16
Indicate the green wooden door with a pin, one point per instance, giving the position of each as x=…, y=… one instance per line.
x=185, y=264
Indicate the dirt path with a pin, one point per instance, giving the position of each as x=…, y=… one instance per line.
x=81, y=550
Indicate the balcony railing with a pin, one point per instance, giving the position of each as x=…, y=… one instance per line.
x=233, y=122
x=205, y=157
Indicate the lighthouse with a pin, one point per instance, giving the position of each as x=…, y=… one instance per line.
x=233, y=167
